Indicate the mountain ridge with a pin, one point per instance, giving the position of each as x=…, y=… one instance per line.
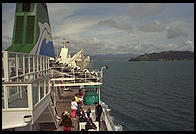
x=165, y=56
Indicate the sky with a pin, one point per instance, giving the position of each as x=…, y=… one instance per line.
x=115, y=28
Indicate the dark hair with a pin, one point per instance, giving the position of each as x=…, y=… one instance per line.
x=83, y=129
x=95, y=103
x=90, y=120
x=88, y=108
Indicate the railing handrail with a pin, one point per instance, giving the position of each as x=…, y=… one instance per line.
x=25, y=54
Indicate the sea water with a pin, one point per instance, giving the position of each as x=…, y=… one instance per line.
x=149, y=96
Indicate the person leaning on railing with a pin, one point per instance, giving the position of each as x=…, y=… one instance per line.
x=98, y=112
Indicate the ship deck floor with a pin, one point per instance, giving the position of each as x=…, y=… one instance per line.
x=64, y=103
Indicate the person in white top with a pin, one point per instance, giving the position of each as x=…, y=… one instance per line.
x=74, y=106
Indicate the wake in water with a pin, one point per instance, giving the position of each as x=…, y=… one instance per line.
x=119, y=127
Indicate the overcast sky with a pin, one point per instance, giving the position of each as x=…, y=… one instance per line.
x=115, y=28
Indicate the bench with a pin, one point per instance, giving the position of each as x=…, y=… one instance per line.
x=82, y=125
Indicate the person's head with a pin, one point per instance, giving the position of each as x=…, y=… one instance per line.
x=83, y=114
x=65, y=113
x=13, y=69
x=89, y=109
x=90, y=120
x=64, y=117
x=96, y=103
x=73, y=99
x=83, y=129
x=80, y=90
x=81, y=109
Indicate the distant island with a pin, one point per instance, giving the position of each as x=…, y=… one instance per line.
x=165, y=56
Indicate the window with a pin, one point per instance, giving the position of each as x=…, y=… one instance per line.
x=19, y=29
x=47, y=86
x=3, y=106
x=43, y=62
x=35, y=62
x=46, y=63
x=38, y=63
x=41, y=89
x=12, y=64
x=26, y=77
x=2, y=67
x=20, y=64
x=31, y=77
x=30, y=29
x=26, y=64
x=26, y=7
x=17, y=97
x=35, y=93
x=31, y=64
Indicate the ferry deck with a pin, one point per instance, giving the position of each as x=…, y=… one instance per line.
x=32, y=97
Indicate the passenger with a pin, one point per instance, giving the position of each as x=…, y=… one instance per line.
x=82, y=117
x=90, y=126
x=80, y=112
x=76, y=97
x=80, y=92
x=74, y=106
x=80, y=96
x=66, y=121
x=88, y=112
x=13, y=73
x=98, y=112
x=80, y=105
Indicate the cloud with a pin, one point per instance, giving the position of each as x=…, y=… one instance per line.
x=182, y=46
x=115, y=28
x=116, y=24
x=187, y=46
x=153, y=26
x=143, y=48
x=62, y=10
x=7, y=19
x=74, y=27
x=174, y=32
x=145, y=9
x=6, y=42
x=188, y=42
x=91, y=46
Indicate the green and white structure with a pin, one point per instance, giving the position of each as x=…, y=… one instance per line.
x=32, y=31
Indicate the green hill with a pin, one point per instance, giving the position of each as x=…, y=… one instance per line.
x=165, y=56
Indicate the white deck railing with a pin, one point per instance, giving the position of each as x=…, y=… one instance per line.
x=25, y=87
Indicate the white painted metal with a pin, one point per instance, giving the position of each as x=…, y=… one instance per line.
x=14, y=117
x=107, y=118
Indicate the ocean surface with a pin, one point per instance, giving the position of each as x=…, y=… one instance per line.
x=149, y=96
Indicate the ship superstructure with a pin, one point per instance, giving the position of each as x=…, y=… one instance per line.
x=32, y=31
x=77, y=61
